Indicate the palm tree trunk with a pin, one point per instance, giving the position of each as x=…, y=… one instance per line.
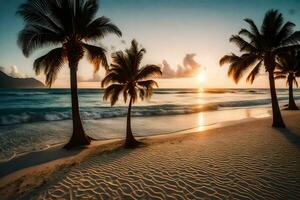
x=130, y=141
x=277, y=118
x=292, y=104
x=78, y=138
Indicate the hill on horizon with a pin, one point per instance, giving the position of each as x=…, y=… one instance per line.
x=7, y=81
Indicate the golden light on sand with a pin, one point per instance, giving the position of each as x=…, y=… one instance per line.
x=201, y=122
x=201, y=77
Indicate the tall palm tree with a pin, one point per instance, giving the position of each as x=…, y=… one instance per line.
x=259, y=49
x=69, y=24
x=126, y=77
x=288, y=65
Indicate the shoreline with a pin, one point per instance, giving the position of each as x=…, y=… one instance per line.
x=38, y=171
x=199, y=128
x=31, y=137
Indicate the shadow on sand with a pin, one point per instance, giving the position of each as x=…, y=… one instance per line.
x=290, y=136
x=36, y=158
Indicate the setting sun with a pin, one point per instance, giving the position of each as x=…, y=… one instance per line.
x=201, y=77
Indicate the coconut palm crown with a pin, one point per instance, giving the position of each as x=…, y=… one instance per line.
x=68, y=25
x=288, y=65
x=259, y=48
x=126, y=77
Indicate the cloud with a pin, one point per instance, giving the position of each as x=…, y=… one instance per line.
x=13, y=71
x=189, y=68
x=96, y=78
x=168, y=72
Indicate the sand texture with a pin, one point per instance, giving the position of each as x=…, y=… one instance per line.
x=249, y=160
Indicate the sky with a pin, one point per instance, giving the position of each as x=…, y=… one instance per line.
x=175, y=33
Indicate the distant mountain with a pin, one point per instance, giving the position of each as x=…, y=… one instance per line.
x=10, y=82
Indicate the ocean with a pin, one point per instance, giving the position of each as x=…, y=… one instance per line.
x=35, y=119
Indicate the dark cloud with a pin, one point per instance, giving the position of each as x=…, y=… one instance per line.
x=189, y=68
x=96, y=78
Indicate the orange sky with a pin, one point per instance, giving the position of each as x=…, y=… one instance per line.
x=167, y=31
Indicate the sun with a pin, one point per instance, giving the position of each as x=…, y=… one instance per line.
x=201, y=77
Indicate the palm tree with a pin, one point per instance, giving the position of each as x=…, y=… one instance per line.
x=69, y=24
x=126, y=77
x=259, y=49
x=288, y=65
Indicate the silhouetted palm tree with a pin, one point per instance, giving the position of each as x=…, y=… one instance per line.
x=288, y=65
x=66, y=23
x=260, y=49
x=126, y=77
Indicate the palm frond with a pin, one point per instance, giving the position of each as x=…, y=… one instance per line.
x=125, y=71
x=84, y=13
x=288, y=48
x=33, y=37
x=254, y=72
x=125, y=92
x=248, y=34
x=132, y=91
x=272, y=23
x=50, y=64
x=121, y=61
x=280, y=73
x=112, y=93
x=142, y=93
x=99, y=28
x=147, y=83
x=147, y=71
x=238, y=68
x=40, y=12
x=286, y=31
x=96, y=55
x=52, y=22
x=136, y=55
x=280, y=77
x=293, y=39
x=112, y=77
x=295, y=82
x=146, y=88
x=243, y=45
x=227, y=59
x=253, y=27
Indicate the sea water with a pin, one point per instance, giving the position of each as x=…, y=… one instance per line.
x=35, y=119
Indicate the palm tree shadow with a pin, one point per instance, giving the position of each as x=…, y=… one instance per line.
x=91, y=161
x=36, y=158
x=290, y=136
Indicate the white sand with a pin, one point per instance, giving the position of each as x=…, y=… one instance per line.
x=248, y=160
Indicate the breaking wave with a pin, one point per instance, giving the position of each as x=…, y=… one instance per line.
x=27, y=115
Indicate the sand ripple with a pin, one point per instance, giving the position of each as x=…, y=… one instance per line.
x=234, y=165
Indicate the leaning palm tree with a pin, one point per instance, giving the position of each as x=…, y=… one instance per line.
x=288, y=65
x=259, y=49
x=69, y=24
x=126, y=77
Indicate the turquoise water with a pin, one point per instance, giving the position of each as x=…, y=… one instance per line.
x=36, y=105
x=36, y=119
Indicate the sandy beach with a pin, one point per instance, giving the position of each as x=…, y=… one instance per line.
x=245, y=160
x=149, y=100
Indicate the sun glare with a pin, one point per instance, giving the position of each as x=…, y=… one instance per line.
x=201, y=77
